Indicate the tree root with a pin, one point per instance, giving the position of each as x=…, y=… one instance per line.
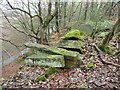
x=101, y=57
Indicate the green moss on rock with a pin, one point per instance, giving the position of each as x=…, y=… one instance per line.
x=48, y=60
x=74, y=33
x=72, y=44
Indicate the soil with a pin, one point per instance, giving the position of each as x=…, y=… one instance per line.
x=10, y=69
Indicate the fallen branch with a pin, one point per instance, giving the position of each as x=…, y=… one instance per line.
x=101, y=57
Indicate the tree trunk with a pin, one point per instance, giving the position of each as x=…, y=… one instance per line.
x=111, y=34
x=48, y=19
x=56, y=17
x=86, y=9
x=114, y=29
x=65, y=15
x=71, y=11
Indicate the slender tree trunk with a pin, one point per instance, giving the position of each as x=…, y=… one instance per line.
x=86, y=9
x=80, y=8
x=65, y=14
x=111, y=8
x=56, y=17
x=71, y=11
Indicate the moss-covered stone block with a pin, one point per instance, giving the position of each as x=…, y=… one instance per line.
x=59, y=58
x=73, y=62
x=48, y=60
x=72, y=45
x=52, y=50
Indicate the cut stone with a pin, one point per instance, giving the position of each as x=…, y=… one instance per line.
x=68, y=58
x=52, y=50
x=72, y=45
x=48, y=60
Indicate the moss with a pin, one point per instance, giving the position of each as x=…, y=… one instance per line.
x=63, y=52
x=40, y=78
x=83, y=67
x=74, y=33
x=50, y=71
x=72, y=44
x=105, y=49
x=48, y=60
x=90, y=65
x=102, y=34
x=53, y=56
x=106, y=24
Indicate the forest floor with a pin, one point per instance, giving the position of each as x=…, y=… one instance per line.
x=18, y=75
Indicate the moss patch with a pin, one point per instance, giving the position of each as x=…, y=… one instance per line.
x=40, y=78
x=105, y=49
x=74, y=33
x=90, y=65
x=50, y=71
x=102, y=34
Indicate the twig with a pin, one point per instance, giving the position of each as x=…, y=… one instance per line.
x=101, y=57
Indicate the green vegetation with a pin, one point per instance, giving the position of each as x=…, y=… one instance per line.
x=47, y=73
x=103, y=25
x=90, y=65
x=75, y=34
x=40, y=78
x=106, y=49
x=50, y=71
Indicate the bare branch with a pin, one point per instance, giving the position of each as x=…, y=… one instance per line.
x=14, y=8
x=9, y=42
x=18, y=29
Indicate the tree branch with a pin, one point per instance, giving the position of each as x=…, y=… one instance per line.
x=18, y=29
x=9, y=42
x=14, y=8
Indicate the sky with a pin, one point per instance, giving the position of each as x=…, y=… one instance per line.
x=3, y=2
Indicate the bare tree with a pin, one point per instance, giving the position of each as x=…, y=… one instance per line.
x=38, y=34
